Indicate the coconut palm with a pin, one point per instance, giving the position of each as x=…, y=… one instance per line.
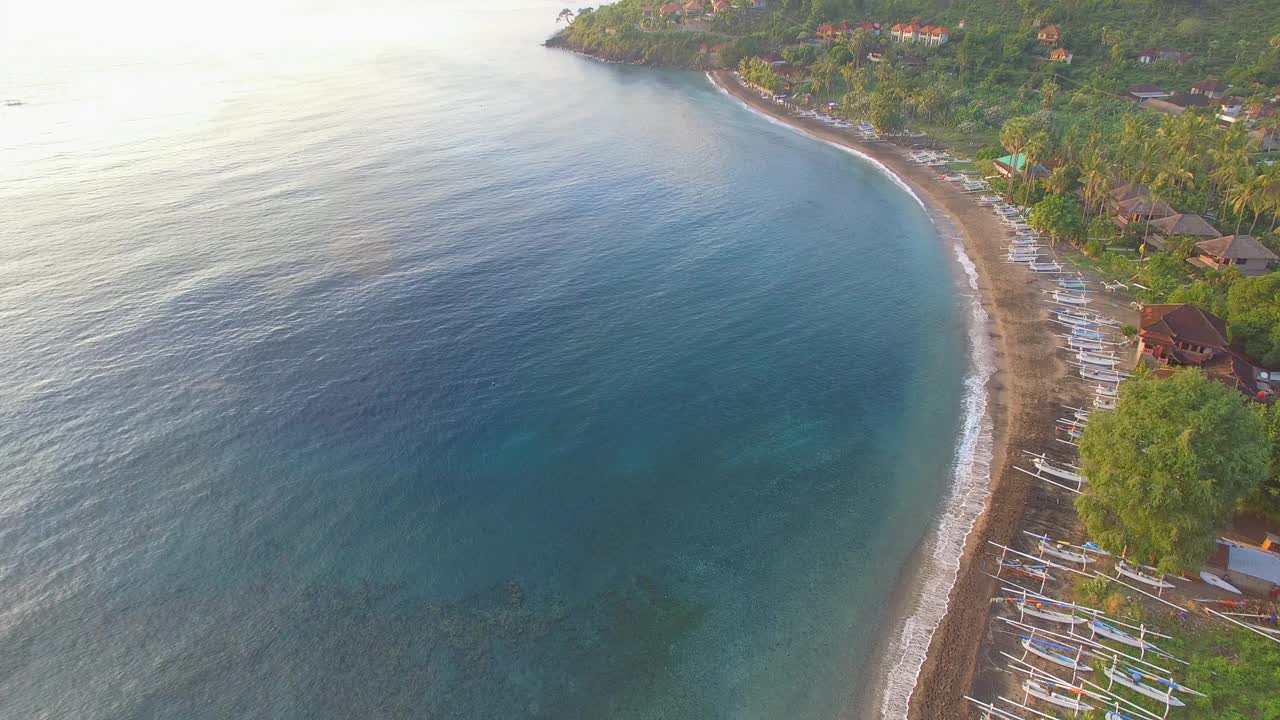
x=1037, y=147
x=1013, y=136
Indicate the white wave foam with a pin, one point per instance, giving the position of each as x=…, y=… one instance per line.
x=970, y=475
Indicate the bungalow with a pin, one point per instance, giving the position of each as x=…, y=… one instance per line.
x=1049, y=35
x=939, y=35
x=1141, y=210
x=1184, y=100
x=876, y=56
x=914, y=32
x=1061, y=55
x=1180, y=225
x=693, y=7
x=904, y=32
x=1145, y=91
x=719, y=6
x=1242, y=252
x=1181, y=335
x=1123, y=193
x=871, y=27
x=1010, y=165
x=670, y=9
x=1151, y=55
x=1210, y=88
x=773, y=58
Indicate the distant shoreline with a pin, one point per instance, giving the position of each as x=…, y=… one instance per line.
x=1017, y=393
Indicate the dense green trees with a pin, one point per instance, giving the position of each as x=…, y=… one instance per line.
x=1253, y=314
x=1168, y=467
x=1059, y=217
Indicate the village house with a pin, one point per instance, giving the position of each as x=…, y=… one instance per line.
x=693, y=8
x=1123, y=193
x=1061, y=55
x=1151, y=55
x=773, y=59
x=1242, y=252
x=1267, y=138
x=1210, y=88
x=1180, y=335
x=876, y=56
x=670, y=10
x=1145, y=91
x=914, y=32
x=830, y=31
x=871, y=27
x=1049, y=35
x=719, y=6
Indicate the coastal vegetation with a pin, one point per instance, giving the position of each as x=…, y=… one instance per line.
x=1169, y=467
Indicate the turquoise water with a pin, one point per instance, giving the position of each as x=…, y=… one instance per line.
x=432, y=373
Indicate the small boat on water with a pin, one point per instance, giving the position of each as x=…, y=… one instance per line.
x=1051, y=651
x=1133, y=573
x=1218, y=582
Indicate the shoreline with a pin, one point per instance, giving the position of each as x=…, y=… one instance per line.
x=931, y=654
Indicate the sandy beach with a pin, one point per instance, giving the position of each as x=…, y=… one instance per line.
x=1023, y=397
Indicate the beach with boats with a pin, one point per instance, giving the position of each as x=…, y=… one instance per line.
x=1041, y=621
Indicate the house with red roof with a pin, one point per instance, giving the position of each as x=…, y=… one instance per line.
x=670, y=9
x=693, y=7
x=719, y=6
x=1049, y=35
x=914, y=32
x=1061, y=55
x=834, y=31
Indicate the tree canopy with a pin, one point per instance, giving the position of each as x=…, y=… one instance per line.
x=1168, y=467
x=1253, y=311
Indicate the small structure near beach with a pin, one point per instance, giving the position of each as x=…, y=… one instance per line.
x=1242, y=252
x=1179, y=225
x=1010, y=165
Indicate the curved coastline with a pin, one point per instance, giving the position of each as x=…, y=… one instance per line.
x=983, y=502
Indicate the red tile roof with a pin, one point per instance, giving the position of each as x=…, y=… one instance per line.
x=1050, y=31
x=1187, y=323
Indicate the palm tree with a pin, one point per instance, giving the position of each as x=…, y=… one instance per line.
x=1247, y=195
x=1036, y=147
x=566, y=15
x=1013, y=136
x=1096, y=184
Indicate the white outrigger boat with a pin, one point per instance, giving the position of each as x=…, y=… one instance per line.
x=1111, y=632
x=1048, y=547
x=1046, y=650
x=1079, y=343
x=1087, y=333
x=1218, y=582
x=1119, y=677
x=1049, y=267
x=1037, y=608
x=1107, y=391
x=1040, y=692
x=1127, y=570
x=1043, y=465
x=1094, y=358
x=1072, y=283
x=1104, y=403
x=1110, y=376
x=1069, y=298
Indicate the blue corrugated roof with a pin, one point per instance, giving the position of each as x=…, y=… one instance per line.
x=1254, y=563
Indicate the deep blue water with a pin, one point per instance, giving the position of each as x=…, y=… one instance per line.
x=453, y=377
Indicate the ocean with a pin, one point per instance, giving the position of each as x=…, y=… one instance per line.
x=397, y=366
